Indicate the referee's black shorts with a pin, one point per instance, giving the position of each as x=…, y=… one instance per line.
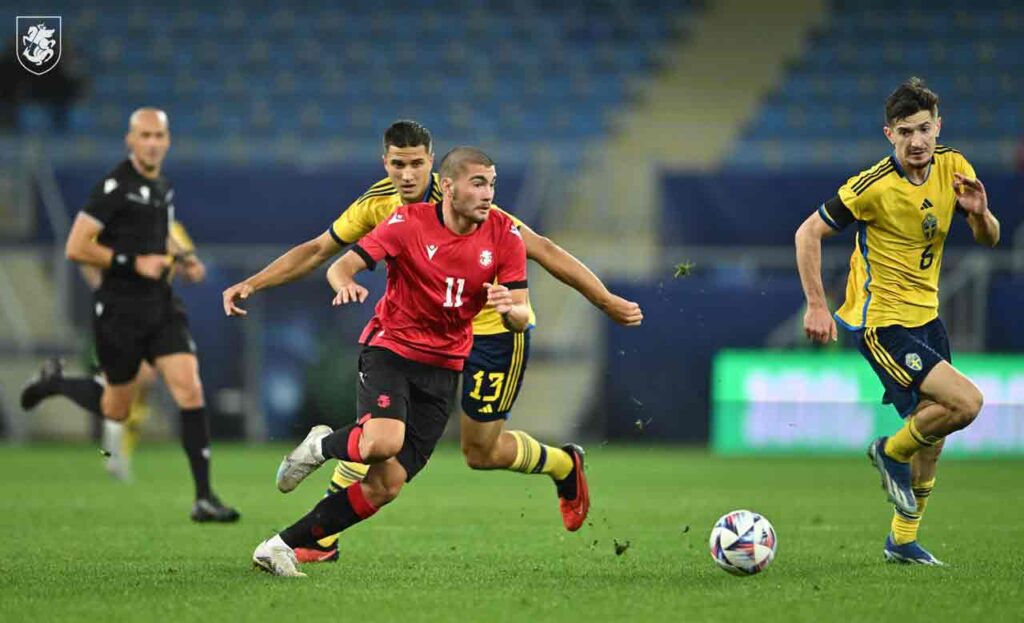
x=391, y=386
x=129, y=329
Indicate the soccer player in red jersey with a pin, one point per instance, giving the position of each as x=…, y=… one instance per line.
x=445, y=262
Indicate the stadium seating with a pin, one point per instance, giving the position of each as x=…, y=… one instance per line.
x=832, y=97
x=517, y=72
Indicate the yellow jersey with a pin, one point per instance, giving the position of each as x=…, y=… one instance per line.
x=376, y=205
x=901, y=231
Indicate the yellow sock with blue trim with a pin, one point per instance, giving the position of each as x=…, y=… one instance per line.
x=533, y=457
x=138, y=414
x=902, y=445
x=905, y=525
x=346, y=474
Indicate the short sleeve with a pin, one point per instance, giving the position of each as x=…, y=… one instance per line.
x=853, y=199
x=512, y=258
x=860, y=193
x=386, y=240
x=103, y=201
x=354, y=223
x=835, y=213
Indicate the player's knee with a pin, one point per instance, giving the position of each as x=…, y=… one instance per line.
x=113, y=409
x=189, y=395
x=380, y=449
x=966, y=407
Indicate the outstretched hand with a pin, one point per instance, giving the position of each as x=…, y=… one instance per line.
x=350, y=293
x=970, y=194
x=235, y=294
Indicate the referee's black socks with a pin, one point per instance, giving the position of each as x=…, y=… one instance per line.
x=195, y=438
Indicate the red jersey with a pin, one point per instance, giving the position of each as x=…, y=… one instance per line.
x=436, y=279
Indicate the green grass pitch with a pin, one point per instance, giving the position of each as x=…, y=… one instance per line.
x=473, y=546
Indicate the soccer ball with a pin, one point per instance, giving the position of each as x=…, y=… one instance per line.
x=743, y=542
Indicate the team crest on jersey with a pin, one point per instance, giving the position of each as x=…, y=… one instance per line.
x=929, y=226
x=913, y=361
x=39, y=42
x=486, y=257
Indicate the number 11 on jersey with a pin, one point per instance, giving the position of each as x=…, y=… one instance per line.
x=452, y=282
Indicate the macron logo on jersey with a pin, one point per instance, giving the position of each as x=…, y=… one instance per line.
x=431, y=250
x=515, y=230
x=109, y=186
x=396, y=218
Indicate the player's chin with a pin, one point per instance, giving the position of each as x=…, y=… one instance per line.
x=480, y=213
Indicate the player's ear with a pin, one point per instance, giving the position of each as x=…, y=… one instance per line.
x=888, y=134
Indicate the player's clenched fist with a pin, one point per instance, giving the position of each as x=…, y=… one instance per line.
x=350, y=293
x=626, y=313
x=819, y=325
x=237, y=292
x=499, y=297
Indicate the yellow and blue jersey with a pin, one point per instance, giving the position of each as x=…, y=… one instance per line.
x=901, y=231
x=376, y=205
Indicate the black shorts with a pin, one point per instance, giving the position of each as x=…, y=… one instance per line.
x=391, y=386
x=902, y=357
x=129, y=329
x=494, y=374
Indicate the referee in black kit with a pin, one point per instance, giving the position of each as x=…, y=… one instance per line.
x=124, y=230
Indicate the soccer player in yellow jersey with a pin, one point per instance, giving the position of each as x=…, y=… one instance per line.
x=493, y=373
x=902, y=208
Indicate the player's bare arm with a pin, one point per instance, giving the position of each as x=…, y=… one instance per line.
x=512, y=305
x=563, y=266
x=970, y=194
x=298, y=262
x=819, y=325
x=341, y=276
x=82, y=247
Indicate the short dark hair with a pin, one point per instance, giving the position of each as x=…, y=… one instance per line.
x=407, y=133
x=455, y=160
x=909, y=98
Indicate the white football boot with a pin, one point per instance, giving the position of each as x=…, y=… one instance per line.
x=303, y=460
x=276, y=558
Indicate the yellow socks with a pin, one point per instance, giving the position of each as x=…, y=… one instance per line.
x=904, y=526
x=138, y=414
x=533, y=457
x=905, y=442
x=345, y=475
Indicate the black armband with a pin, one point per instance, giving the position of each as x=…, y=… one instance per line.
x=122, y=264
